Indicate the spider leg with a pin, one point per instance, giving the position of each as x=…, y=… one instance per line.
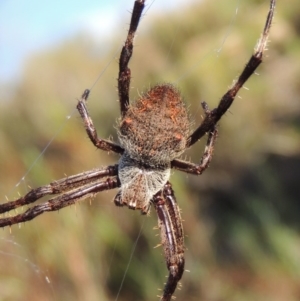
x=198, y=169
x=169, y=221
x=126, y=53
x=68, y=190
x=103, y=144
x=215, y=115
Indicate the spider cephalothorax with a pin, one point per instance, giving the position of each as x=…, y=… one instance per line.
x=153, y=132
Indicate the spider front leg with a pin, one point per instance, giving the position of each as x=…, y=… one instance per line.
x=103, y=144
x=67, y=191
x=170, y=225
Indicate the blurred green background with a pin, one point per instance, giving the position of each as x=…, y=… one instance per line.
x=241, y=217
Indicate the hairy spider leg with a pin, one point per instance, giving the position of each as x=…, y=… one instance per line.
x=126, y=53
x=171, y=231
x=67, y=190
x=198, y=169
x=103, y=144
x=215, y=115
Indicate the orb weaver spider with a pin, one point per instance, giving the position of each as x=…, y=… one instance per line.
x=154, y=131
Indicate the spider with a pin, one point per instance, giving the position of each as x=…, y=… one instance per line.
x=153, y=132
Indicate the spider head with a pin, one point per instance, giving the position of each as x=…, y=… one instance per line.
x=139, y=183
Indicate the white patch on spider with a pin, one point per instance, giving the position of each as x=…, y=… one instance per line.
x=139, y=184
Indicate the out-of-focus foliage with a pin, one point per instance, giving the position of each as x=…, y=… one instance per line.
x=241, y=216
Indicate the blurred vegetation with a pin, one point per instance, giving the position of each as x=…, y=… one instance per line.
x=241, y=217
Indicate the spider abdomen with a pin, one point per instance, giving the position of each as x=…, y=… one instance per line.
x=155, y=128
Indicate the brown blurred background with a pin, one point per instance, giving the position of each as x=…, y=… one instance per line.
x=241, y=217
